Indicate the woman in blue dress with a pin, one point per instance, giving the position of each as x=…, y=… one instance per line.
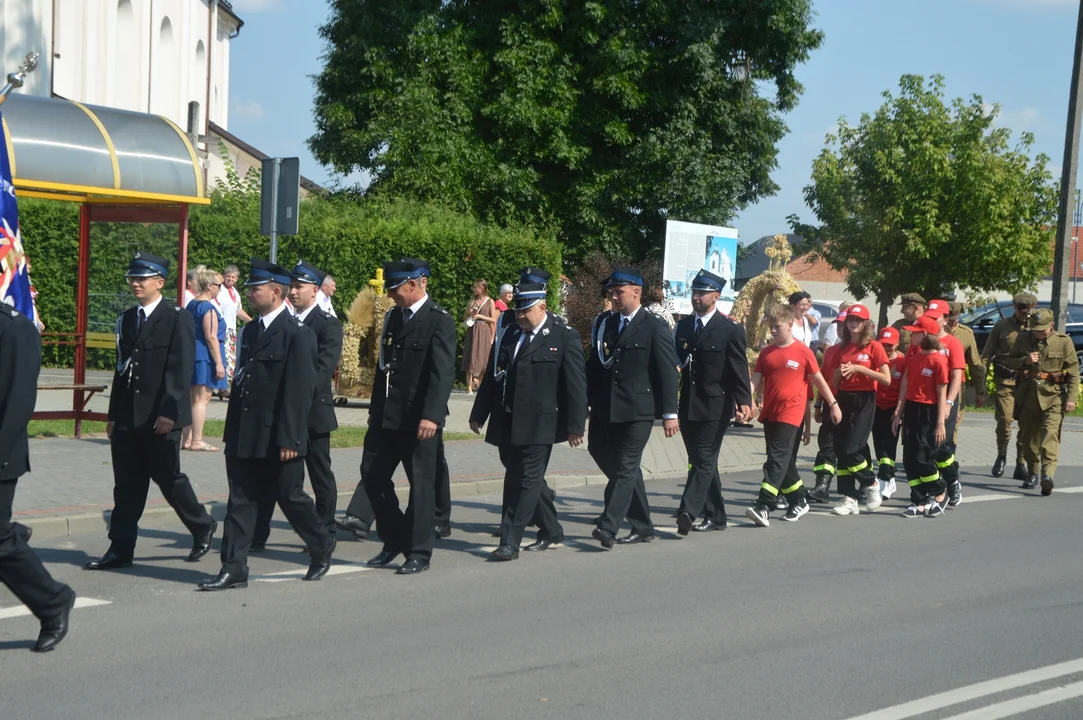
x=210, y=371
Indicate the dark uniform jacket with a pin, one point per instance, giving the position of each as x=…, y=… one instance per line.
x=20, y=363
x=272, y=390
x=154, y=368
x=641, y=382
x=328, y=330
x=420, y=357
x=716, y=379
x=544, y=388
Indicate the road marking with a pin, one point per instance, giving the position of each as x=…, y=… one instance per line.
x=973, y=692
x=287, y=575
x=991, y=497
x=1071, y=490
x=20, y=610
x=1019, y=705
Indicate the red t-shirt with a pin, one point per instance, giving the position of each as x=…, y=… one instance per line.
x=831, y=364
x=887, y=397
x=500, y=305
x=923, y=374
x=786, y=372
x=871, y=356
x=951, y=348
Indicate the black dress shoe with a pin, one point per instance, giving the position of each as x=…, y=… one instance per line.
x=605, y=537
x=354, y=525
x=499, y=532
x=54, y=629
x=504, y=553
x=1047, y=485
x=318, y=568
x=442, y=531
x=708, y=525
x=633, y=537
x=1021, y=472
x=1030, y=482
x=386, y=557
x=684, y=523
x=202, y=544
x=413, y=566
x=544, y=544
x=25, y=531
x=224, y=581
x=111, y=560
x=999, y=465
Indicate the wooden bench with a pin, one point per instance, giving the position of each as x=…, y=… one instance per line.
x=82, y=393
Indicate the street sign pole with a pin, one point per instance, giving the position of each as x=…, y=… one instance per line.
x=274, y=213
x=1061, y=263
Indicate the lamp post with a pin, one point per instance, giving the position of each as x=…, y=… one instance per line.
x=1061, y=264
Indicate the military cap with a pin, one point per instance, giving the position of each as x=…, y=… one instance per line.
x=534, y=275
x=1041, y=319
x=624, y=275
x=527, y=295
x=708, y=282
x=397, y=273
x=261, y=272
x=955, y=307
x=908, y=298
x=1025, y=298
x=426, y=269
x=307, y=273
x=147, y=265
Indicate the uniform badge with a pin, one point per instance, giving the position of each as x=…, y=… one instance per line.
x=605, y=347
x=545, y=332
x=389, y=341
x=685, y=346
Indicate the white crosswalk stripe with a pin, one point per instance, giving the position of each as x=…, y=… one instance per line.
x=22, y=610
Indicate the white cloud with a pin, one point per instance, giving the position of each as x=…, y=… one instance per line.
x=247, y=110
x=1026, y=119
x=256, y=6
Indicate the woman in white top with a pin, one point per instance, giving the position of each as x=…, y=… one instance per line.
x=803, y=330
x=229, y=301
x=831, y=334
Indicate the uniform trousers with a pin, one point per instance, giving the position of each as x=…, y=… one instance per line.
x=703, y=492
x=945, y=454
x=852, y=441
x=919, y=451
x=510, y=489
x=825, y=442
x=21, y=570
x=140, y=456
x=617, y=448
x=780, y=471
x=531, y=500
x=324, y=489
x=411, y=532
x=252, y=483
x=1005, y=409
x=885, y=442
x=361, y=508
x=1039, y=432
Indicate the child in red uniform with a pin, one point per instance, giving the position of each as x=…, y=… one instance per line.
x=922, y=411
x=784, y=370
x=862, y=366
x=952, y=349
x=824, y=465
x=884, y=440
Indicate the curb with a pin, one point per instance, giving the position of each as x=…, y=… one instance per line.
x=164, y=517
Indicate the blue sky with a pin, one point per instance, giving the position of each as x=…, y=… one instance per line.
x=1016, y=53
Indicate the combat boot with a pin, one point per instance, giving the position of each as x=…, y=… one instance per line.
x=1021, y=472
x=822, y=491
x=1030, y=482
x=999, y=465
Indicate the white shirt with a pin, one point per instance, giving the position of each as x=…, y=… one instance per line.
x=803, y=332
x=304, y=314
x=417, y=306
x=325, y=303
x=188, y=297
x=527, y=337
x=150, y=307
x=229, y=303
x=269, y=318
x=831, y=335
x=704, y=319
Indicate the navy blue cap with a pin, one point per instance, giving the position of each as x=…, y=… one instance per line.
x=397, y=273
x=708, y=282
x=426, y=270
x=261, y=272
x=624, y=275
x=534, y=275
x=147, y=265
x=306, y=273
x=527, y=295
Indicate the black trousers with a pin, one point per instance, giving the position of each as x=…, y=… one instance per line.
x=443, y=486
x=530, y=500
x=510, y=489
x=140, y=456
x=252, y=484
x=885, y=442
x=324, y=489
x=21, y=570
x=852, y=441
x=780, y=470
x=361, y=508
x=945, y=454
x=825, y=443
x=411, y=532
x=919, y=451
x=703, y=492
x=618, y=450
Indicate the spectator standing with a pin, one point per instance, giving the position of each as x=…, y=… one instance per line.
x=190, y=286
x=229, y=303
x=831, y=334
x=507, y=294
x=480, y=319
x=210, y=370
x=803, y=330
x=656, y=304
x=324, y=295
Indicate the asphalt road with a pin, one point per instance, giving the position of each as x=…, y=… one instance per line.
x=829, y=618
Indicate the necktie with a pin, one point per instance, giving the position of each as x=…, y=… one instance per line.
x=142, y=319
x=406, y=315
x=259, y=329
x=699, y=325
x=524, y=340
x=623, y=324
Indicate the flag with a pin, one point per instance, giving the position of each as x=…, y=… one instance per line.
x=14, y=269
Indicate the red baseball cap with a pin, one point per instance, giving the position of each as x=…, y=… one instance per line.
x=842, y=316
x=924, y=324
x=936, y=309
x=858, y=311
x=889, y=336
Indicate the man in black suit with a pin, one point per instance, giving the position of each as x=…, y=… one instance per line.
x=631, y=381
x=714, y=383
x=266, y=431
x=149, y=405
x=20, y=569
x=536, y=392
x=406, y=417
x=305, y=282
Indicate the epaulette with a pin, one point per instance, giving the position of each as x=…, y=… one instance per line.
x=728, y=318
x=437, y=307
x=174, y=308
x=9, y=310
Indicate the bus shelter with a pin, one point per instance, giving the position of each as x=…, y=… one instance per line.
x=120, y=167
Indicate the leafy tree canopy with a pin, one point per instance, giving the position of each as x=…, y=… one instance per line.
x=926, y=196
x=599, y=118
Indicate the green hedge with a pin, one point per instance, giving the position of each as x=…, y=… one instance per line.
x=349, y=238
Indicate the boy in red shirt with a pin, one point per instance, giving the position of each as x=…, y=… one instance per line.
x=784, y=371
x=952, y=349
x=884, y=440
x=824, y=465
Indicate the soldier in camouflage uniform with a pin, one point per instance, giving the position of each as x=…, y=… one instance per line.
x=913, y=307
x=997, y=349
x=1047, y=387
x=975, y=367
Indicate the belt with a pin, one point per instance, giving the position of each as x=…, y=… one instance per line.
x=1052, y=378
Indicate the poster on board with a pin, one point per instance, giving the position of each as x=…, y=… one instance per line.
x=691, y=247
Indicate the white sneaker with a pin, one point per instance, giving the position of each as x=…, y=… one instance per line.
x=846, y=506
x=759, y=515
x=889, y=489
x=872, y=497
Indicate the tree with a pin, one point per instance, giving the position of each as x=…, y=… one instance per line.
x=600, y=119
x=928, y=197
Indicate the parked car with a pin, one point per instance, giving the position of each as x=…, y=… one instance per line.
x=982, y=319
